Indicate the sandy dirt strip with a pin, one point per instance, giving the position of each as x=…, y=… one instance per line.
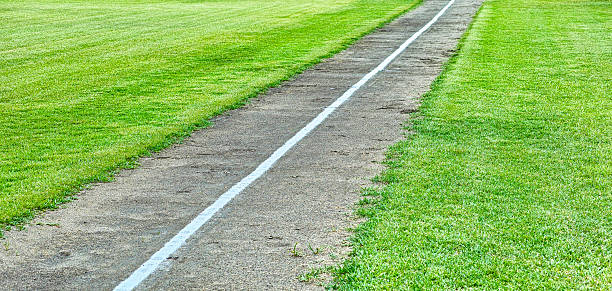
x=307, y=198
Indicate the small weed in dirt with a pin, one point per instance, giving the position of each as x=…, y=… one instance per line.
x=311, y=275
x=295, y=251
x=315, y=251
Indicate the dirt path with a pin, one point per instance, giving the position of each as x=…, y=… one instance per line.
x=306, y=198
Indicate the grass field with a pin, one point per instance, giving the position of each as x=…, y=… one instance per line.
x=507, y=180
x=87, y=86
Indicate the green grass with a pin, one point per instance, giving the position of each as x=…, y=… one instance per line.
x=87, y=86
x=507, y=181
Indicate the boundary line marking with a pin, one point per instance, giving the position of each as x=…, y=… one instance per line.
x=148, y=267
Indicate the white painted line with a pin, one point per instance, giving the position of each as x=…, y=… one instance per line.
x=179, y=239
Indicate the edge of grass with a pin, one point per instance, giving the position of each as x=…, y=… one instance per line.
x=108, y=174
x=367, y=205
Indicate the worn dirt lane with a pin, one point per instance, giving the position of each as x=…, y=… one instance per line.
x=306, y=198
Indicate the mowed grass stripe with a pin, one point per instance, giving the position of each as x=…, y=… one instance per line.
x=87, y=86
x=507, y=180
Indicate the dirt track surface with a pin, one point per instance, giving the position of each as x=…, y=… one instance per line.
x=306, y=198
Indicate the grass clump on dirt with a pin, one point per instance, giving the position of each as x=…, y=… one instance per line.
x=507, y=181
x=87, y=86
